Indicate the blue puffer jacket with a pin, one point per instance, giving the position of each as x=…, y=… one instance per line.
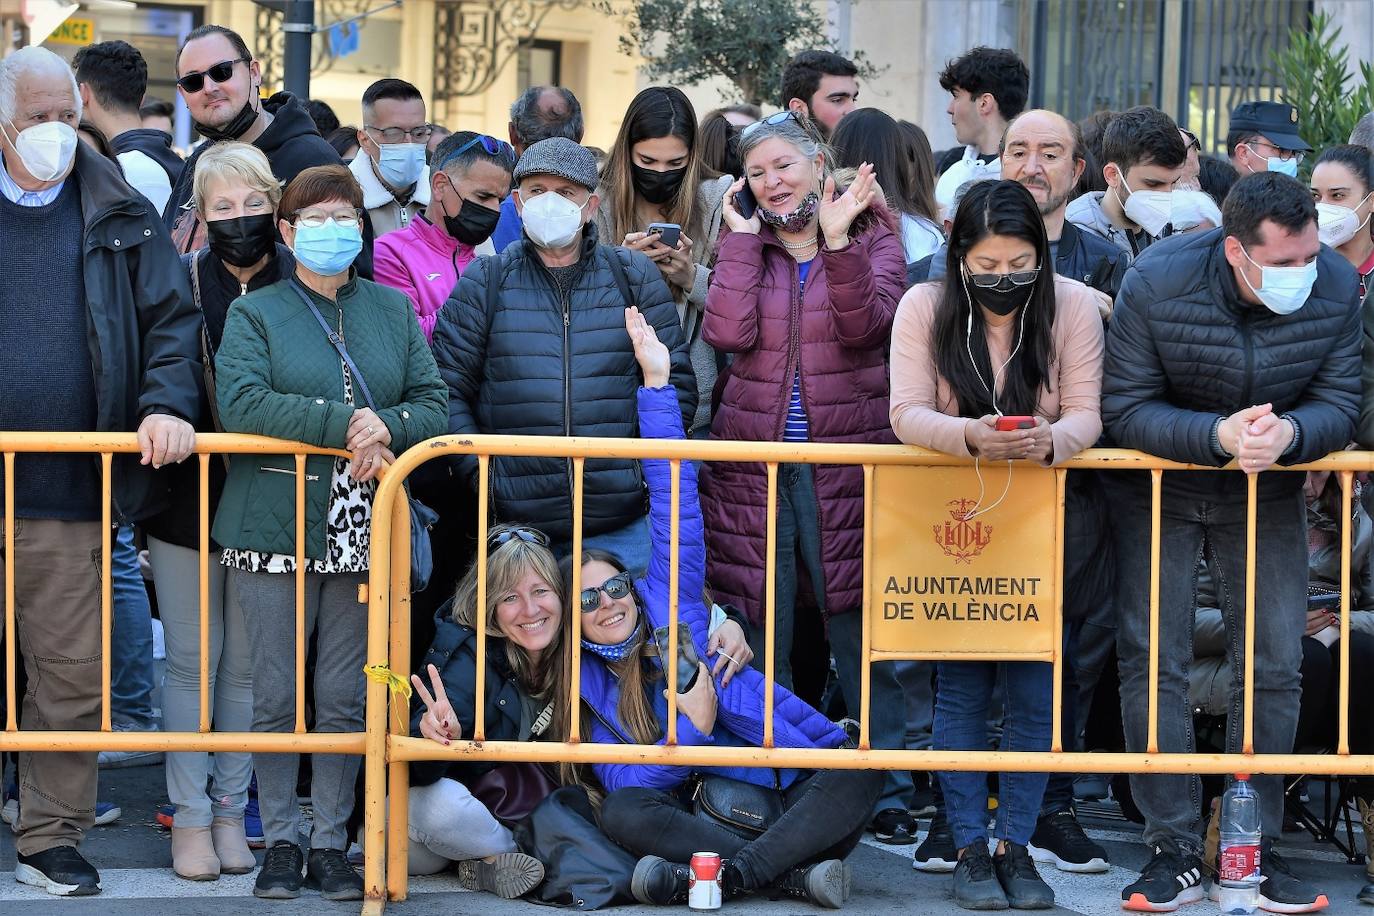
x=795, y=724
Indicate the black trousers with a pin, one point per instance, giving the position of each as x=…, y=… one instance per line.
x=824, y=815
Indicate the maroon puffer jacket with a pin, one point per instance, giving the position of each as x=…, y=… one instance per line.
x=840, y=332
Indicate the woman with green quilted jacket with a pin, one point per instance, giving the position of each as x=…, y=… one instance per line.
x=281, y=371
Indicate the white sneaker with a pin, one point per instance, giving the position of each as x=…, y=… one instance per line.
x=115, y=760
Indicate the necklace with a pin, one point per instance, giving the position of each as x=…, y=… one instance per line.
x=796, y=246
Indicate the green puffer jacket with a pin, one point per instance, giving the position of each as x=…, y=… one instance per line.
x=278, y=375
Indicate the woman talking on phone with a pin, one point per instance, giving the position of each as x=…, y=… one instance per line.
x=657, y=197
x=1000, y=361
x=808, y=821
x=807, y=280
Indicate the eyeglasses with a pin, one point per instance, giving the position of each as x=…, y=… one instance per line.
x=1017, y=278
x=1283, y=155
x=614, y=587
x=774, y=119
x=1192, y=142
x=419, y=134
x=314, y=219
x=490, y=145
x=221, y=72
x=528, y=535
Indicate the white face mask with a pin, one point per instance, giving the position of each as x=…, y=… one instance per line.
x=551, y=220
x=1150, y=210
x=1283, y=290
x=1337, y=225
x=1193, y=208
x=46, y=149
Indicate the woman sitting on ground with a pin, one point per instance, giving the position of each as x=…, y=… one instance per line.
x=821, y=813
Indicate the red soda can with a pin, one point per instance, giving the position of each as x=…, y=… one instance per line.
x=703, y=890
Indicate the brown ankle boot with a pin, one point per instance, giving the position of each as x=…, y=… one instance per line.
x=235, y=858
x=193, y=854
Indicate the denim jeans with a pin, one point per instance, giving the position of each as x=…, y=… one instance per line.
x=961, y=712
x=631, y=545
x=824, y=815
x=1059, y=788
x=1191, y=529
x=131, y=637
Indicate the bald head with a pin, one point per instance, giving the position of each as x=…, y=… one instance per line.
x=1042, y=151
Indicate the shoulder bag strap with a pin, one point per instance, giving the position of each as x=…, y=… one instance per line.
x=622, y=280
x=338, y=343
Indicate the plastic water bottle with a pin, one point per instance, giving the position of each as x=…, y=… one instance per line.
x=1238, y=853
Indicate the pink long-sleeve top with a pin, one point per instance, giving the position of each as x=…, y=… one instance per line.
x=923, y=408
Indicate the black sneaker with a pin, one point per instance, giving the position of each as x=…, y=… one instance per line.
x=1170, y=880
x=1024, y=887
x=975, y=881
x=659, y=882
x=824, y=884
x=1281, y=891
x=330, y=873
x=894, y=826
x=508, y=875
x=281, y=875
x=936, y=852
x=1059, y=840
x=61, y=871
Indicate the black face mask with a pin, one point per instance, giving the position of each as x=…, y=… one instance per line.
x=242, y=240
x=234, y=129
x=1002, y=299
x=657, y=187
x=474, y=223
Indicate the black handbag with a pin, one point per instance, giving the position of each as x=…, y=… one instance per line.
x=744, y=808
x=422, y=517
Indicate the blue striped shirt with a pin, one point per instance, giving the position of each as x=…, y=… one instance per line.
x=797, y=428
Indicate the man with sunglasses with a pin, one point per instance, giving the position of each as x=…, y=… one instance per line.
x=1264, y=138
x=390, y=165
x=220, y=83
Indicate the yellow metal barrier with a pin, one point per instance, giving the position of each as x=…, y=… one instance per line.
x=389, y=597
x=386, y=739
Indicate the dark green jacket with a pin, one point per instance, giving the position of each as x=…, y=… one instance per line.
x=277, y=374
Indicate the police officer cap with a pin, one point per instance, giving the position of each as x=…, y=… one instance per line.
x=1275, y=121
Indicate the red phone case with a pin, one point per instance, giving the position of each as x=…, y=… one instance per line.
x=1007, y=424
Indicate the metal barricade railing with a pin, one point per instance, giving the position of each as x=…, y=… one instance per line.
x=385, y=739
x=389, y=741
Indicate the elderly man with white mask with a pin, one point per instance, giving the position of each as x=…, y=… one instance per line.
x=112, y=347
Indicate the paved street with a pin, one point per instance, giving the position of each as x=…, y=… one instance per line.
x=134, y=857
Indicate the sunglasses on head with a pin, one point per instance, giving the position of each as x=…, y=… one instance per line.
x=774, y=119
x=219, y=73
x=490, y=145
x=614, y=587
x=528, y=535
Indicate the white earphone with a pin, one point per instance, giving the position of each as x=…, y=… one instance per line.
x=992, y=392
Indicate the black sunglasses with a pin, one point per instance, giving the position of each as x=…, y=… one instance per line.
x=528, y=535
x=614, y=587
x=219, y=73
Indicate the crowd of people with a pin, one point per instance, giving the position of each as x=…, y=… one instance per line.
x=818, y=274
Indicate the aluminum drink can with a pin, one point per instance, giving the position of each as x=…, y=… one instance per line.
x=703, y=889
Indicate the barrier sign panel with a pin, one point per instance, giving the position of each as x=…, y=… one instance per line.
x=949, y=579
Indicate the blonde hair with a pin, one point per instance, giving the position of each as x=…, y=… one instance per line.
x=506, y=566
x=234, y=162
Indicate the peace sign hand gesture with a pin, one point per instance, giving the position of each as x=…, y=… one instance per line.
x=837, y=214
x=438, y=723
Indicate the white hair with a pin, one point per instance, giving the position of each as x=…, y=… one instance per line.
x=31, y=61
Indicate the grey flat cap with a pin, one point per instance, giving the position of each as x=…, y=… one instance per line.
x=559, y=156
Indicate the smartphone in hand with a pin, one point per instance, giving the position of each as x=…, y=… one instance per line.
x=668, y=233
x=1007, y=424
x=745, y=202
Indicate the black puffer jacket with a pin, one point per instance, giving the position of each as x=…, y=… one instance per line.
x=1183, y=349
x=541, y=366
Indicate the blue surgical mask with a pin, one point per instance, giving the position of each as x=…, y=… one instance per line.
x=1287, y=167
x=328, y=249
x=1283, y=290
x=400, y=164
